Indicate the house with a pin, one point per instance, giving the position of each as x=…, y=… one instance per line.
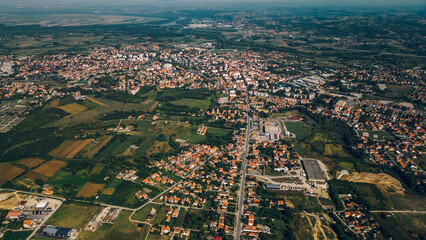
x=13, y=214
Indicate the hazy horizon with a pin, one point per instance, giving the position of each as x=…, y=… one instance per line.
x=212, y=3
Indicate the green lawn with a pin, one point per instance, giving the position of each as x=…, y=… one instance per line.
x=299, y=128
x=72, y=215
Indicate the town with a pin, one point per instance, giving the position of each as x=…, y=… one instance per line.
x=189, y=140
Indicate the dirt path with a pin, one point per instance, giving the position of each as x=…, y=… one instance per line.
x=318, y=227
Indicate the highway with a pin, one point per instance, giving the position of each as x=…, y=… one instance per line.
x=238, y=227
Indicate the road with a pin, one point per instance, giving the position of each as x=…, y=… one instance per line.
x=399, y=211
x=152, y=201
x=32, y=193
x=238, y=228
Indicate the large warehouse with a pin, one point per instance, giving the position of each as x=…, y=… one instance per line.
x=313, y=170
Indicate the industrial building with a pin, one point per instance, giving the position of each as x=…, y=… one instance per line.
x=272, y=130
x=59, y=232
x=313, y=170
x=273, y=186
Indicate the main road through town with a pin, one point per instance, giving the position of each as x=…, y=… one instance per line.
x=238, y=228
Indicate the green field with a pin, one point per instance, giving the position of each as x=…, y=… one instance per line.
x=402, y=226
x=399, y=89
x=97, y=168
x=122, y=229
x=199, y=103
x=9, y=235
x=299, y=128
x=109, y=150
x=63, y=177
x=380, y=135
x=93, y=115
x=72, y=215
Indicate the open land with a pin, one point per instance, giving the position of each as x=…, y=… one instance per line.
x=9, y=172
x=50, y=168
x=90, y=190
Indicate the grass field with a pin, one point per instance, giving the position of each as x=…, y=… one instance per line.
x=109, y=150
x=143, y=213
x=97, y=168
x=73, y=108
x=158, y=147
x=293, y=113
x=122, y=229
x=73, y=215
x=90, y=189
x=96, y=101
x=399, y=89
x=401, y=226
x=50, y=168
x=93, y=115
x=63, y=177
x=301, y=227
x=199, y=103
x=93, y=148
x=299, y=128
x=380, y=135
x=31, y=162
x=108, y=191
x=9, y=172
x=9, y=235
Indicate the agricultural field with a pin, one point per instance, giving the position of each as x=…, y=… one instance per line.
x=90, y=190
x=73, y=108
x=33, y=176
x=30, y=162
x=299, y=128
x=50, y=168
x=73, y=215
x=9, y=172
x=70, y=148
x=93, y=148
